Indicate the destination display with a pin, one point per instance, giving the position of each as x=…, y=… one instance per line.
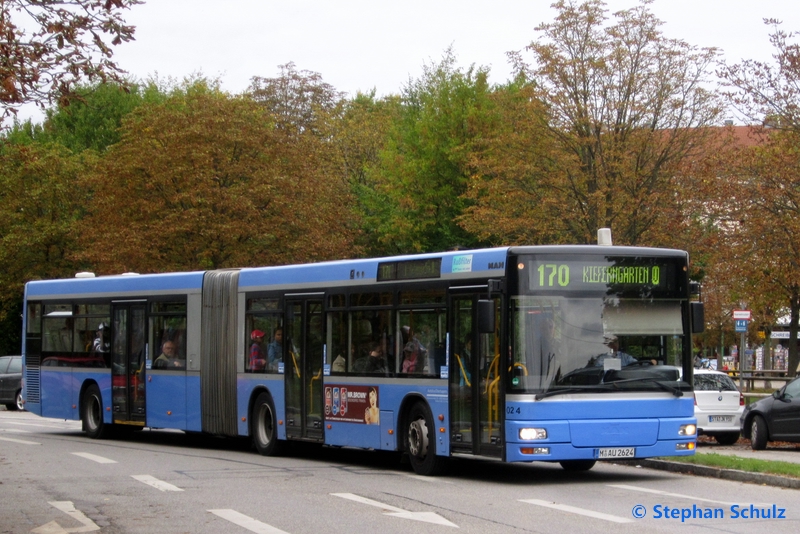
x=587, y=275
x=409, y=269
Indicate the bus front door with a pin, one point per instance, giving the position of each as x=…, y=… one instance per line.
x=474, y=381
x=127, y=369
x=304, y=347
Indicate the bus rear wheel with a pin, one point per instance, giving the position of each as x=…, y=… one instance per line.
x=421, y=442
x=92, y=414
x=265, y=426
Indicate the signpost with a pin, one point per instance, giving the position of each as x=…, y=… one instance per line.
x=741, y=319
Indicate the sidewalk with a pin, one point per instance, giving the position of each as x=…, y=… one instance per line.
x=775, y=452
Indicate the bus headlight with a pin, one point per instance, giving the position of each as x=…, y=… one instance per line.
x=687, y=430
x=532, y=433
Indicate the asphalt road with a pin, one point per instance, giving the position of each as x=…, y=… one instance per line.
x=55, y=480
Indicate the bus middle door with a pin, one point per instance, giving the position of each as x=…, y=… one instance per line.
x=303, y=360
x=128, y=357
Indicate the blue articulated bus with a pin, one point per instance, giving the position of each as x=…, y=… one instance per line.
x=570, y=354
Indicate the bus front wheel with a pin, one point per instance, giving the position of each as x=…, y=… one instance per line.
x=421, y=442
x=577, y=465
x=92, y=414
x=264, y=426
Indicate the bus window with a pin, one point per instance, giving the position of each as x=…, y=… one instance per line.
x=373, y=329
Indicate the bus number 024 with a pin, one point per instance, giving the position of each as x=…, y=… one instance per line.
x=550, y=273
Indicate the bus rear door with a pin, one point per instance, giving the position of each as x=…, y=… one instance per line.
x=128, y=357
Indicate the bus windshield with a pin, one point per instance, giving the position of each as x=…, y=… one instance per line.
x=599, y=324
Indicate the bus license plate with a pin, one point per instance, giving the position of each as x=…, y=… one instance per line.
x=619, y=452
x=720, y=419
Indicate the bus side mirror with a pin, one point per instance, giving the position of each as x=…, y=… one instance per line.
x=698, y=317
x=486, y=316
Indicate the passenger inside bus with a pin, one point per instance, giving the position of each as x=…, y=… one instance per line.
x=275, y=349
x=257, y=360
x=414, y=353
x=376, y=362
x=169, y=357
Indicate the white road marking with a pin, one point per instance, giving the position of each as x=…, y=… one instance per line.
x=668, y=494
x=94, y=458
x=22, y=441
x=156, y=483
x=253, y=525
x=438, y=480
x=427, y=517
x=68, y=508
x=578, y=511
x=61, y=426
x=364, y=500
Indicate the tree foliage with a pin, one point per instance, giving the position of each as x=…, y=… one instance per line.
x=300, y=101
x=422, y=176
x=767, y=92
x=92, y=121
x=757, y=201
x=623, y=106
x=47, y=46
x=39, y=205
x=207, y=181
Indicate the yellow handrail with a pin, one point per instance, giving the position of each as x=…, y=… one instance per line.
x=311, y=389
x=464, y=374
x=294, y=361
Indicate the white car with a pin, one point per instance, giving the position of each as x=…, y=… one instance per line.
x=718, y=406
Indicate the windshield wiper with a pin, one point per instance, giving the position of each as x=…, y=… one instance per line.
x=675, y=391
x=553, y=392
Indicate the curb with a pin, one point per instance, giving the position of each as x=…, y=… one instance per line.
x=716, y=472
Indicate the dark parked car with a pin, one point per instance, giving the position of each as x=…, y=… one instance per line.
x=774, y=418
x=11, y=382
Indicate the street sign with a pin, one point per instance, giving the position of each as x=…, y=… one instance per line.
x=741, y=314
x=740, y=325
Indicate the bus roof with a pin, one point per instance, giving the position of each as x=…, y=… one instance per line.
x=460, y=264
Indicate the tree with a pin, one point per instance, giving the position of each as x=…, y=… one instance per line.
x=759, y=202
x=49, y=45
x=205, y=180
x=361, y=134
x=92, y=121
x=765, y=92
x=300, y=101
x=622, y=107
x=764, y=179
x=39, y=205
x=419, y=186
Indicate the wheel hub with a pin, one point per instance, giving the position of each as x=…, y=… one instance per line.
x=418, y=438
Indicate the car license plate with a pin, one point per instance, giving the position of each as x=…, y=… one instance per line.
x=720, y=419
x=618, y=452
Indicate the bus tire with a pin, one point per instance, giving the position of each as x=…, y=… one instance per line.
x=92, y=414
x=577, y=465
x=421, y=442
x=758, y=433
x=264, y=426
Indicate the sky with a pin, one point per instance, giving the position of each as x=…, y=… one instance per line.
x=360, y=45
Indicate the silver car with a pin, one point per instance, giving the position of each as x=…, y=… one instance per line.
x=718, y=406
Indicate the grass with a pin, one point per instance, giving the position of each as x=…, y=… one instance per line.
x=742, y=464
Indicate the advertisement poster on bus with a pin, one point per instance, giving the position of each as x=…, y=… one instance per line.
x=352, y=404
